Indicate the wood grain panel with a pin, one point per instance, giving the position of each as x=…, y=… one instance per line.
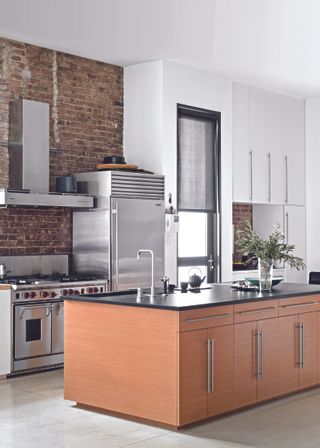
x=205, y=317
x=245, y=382
x=288, y=356
x=247, y=312
x=122, y=359
x=297, y=305
x=193, y=379
x=308, y=374
x=267, y=385
x=221, y=398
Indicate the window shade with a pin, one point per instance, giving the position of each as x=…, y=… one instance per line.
x=196, y=171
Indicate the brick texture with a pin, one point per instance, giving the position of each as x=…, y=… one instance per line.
x=86, y=124
x=240, y=214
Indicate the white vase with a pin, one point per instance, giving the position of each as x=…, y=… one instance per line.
x=265, y=274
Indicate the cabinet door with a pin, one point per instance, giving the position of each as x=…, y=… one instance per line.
x=318, y=347
x=258, y=145
x=220, y=398
x=193, y=376
x=268, y=378
x=295, y=233
x=245, y=364
x=241, y=151
x=293, y=123
x=288, y=354
x=276, y=114
x=308, y=367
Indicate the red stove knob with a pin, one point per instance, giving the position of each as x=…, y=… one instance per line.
x=95, y=289
x=76, y=292
x=90, y=290
x=33, y=295
x=65, y=292
x=53, y=294
x=44, y=294
x=26, y=295
x=70, y=291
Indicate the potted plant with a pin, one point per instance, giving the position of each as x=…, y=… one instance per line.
x=268, y=251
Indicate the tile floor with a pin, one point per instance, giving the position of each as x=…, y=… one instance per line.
x=33, y=414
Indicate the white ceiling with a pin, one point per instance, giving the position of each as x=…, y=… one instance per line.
x=269, y=43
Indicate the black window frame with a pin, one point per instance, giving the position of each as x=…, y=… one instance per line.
x=214, y=216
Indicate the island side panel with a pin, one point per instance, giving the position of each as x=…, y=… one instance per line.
x=122, y=359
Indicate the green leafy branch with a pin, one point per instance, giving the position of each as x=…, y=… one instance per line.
x=274, y=248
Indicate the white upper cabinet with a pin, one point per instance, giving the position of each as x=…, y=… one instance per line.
x=242, y=157
x=268, y=147
x=258, y=146
x=295, y=154
x=295, y=233
x=276, y=145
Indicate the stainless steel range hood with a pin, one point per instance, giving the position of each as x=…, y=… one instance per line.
x=29, y=160
x=9, y=197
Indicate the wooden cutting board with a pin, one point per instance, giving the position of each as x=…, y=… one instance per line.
x=116, y=166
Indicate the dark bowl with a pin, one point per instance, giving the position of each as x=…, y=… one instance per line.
x=255, y=281
x=115, y=159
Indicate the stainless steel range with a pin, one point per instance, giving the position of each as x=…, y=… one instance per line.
x=37, y=312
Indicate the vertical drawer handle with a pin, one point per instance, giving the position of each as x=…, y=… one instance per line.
x=209, y=354
x=212, y=365
x=259, y=360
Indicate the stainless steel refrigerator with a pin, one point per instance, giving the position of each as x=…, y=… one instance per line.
x=129, y=216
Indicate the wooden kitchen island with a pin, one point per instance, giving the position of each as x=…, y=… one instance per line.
x=185, y=357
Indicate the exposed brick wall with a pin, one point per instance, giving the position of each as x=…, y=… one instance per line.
x=86, y=123
x=240, y=214
x=44, y=231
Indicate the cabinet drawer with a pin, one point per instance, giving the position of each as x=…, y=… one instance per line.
x=205, y=318
x=297, y=305
x=246, y=312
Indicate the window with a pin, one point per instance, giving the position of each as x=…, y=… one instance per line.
x=198, y=191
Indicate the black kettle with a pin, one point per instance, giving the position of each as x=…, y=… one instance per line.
x=194, y=279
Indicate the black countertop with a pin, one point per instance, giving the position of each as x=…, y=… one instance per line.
x=218, y=294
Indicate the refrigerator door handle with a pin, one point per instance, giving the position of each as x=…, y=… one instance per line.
x=116, y=244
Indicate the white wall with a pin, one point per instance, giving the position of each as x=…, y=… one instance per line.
x=313, y=183
x=150, y=128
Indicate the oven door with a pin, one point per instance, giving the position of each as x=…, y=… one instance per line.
x=57, y=327
x=32, y=330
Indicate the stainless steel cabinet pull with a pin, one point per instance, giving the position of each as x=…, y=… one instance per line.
x=301, y=345
x=217, y=316
x=209, y=354
x=212, y=365
x=258, y=335
x=295, y=305
x=287, y=227
x=261, y=310
x=251, y=175
x=300, y=362
x=261, y=354
x=287, y=181
x=48, y=307
x=269, y=176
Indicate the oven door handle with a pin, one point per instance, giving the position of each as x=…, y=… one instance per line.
x=36, y=307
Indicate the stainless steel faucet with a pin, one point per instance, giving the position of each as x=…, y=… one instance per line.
x=148, y=251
